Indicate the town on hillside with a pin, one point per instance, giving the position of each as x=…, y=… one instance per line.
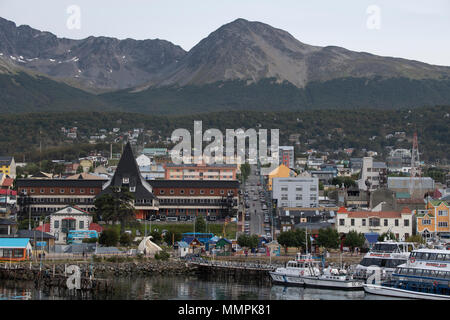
x=140, y=202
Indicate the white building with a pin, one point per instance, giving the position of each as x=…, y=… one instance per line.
x=397, y=222
x=296, y=192
x=371, y=172
x=68, y=218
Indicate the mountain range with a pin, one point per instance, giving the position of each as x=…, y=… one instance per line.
x=242, y=65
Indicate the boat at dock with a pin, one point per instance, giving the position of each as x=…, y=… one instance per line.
x=305, y=271
x=334, y=279
x=295, y=270
x=426, y=275
x=386, y=255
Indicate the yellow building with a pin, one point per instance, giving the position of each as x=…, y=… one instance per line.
x=435, y=221
x=281, y=172
x=8, y=166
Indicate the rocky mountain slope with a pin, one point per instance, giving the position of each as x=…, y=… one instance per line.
x=95, y=62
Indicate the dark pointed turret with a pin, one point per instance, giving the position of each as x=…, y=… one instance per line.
x=128, y=175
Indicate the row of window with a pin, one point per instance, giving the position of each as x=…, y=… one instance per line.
x=80, y=224
x=11, y=253
x=61, y=200
x=81, y=190
x=298, y=189
x=188, y=211
x=427, y=222
x=375, y=222
x=212, y=191
x=52, y=209
x=423, y=273
x=430, y=256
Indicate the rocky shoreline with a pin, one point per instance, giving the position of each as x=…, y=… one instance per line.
x=105, y=269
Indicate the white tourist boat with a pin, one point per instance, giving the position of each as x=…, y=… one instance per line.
x=295, y=270
x=333, y=279
x=426, y=275
x=305, y=271
x=386, y=255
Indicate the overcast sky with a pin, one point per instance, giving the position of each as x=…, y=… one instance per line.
x=412, y=29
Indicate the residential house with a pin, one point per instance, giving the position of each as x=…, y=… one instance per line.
x=8, y=166
x=435, y=220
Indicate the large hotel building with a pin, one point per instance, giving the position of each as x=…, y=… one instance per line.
x=163, y=198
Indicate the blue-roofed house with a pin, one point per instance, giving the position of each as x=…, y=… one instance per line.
x=15, y=249
x=182, y=248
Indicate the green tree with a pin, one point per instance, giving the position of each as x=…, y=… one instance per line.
x=156, y=237
x=328, y=238
x=245, y=171
x=387, y=235
x=116, y=206
x=200, y=224
x=416, y=239
x=354, y=239
x=299, y=238
x=80, y=169
x=253, y=241
x=109, y=237
x=287, y=239
x=126, y=239
x=244, y=241
x=170, y=236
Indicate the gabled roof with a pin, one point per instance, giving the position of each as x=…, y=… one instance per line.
x=9, y=222
x=437, y=203
x=183, y=244
x=45, y=227
x=34, y=234
x=14, y=242
x=129, y=169
x=8, y=182
x=84, y=176
x=281, y=171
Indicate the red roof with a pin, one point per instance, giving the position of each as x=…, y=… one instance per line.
x=342, y=210
x=406, y=210
x=8, y=182
x=380, y=214
x=78, y=208
x=96, y=227
x=46, y=228
x=437, y=194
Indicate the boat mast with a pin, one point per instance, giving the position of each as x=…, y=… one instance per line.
x=306, y=239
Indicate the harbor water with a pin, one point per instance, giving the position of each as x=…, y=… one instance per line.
x=182, y=288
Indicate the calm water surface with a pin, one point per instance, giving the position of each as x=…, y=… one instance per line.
x=184, y=288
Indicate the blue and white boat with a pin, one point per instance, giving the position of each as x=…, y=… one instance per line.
x=426, y=275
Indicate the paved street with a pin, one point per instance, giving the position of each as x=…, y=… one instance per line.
x=256, y=222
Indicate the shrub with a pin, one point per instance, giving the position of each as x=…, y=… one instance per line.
x=163, y=255
x=126, y=239
x=109, y=237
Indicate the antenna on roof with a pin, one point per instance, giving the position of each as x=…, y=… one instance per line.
x=415, y=167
